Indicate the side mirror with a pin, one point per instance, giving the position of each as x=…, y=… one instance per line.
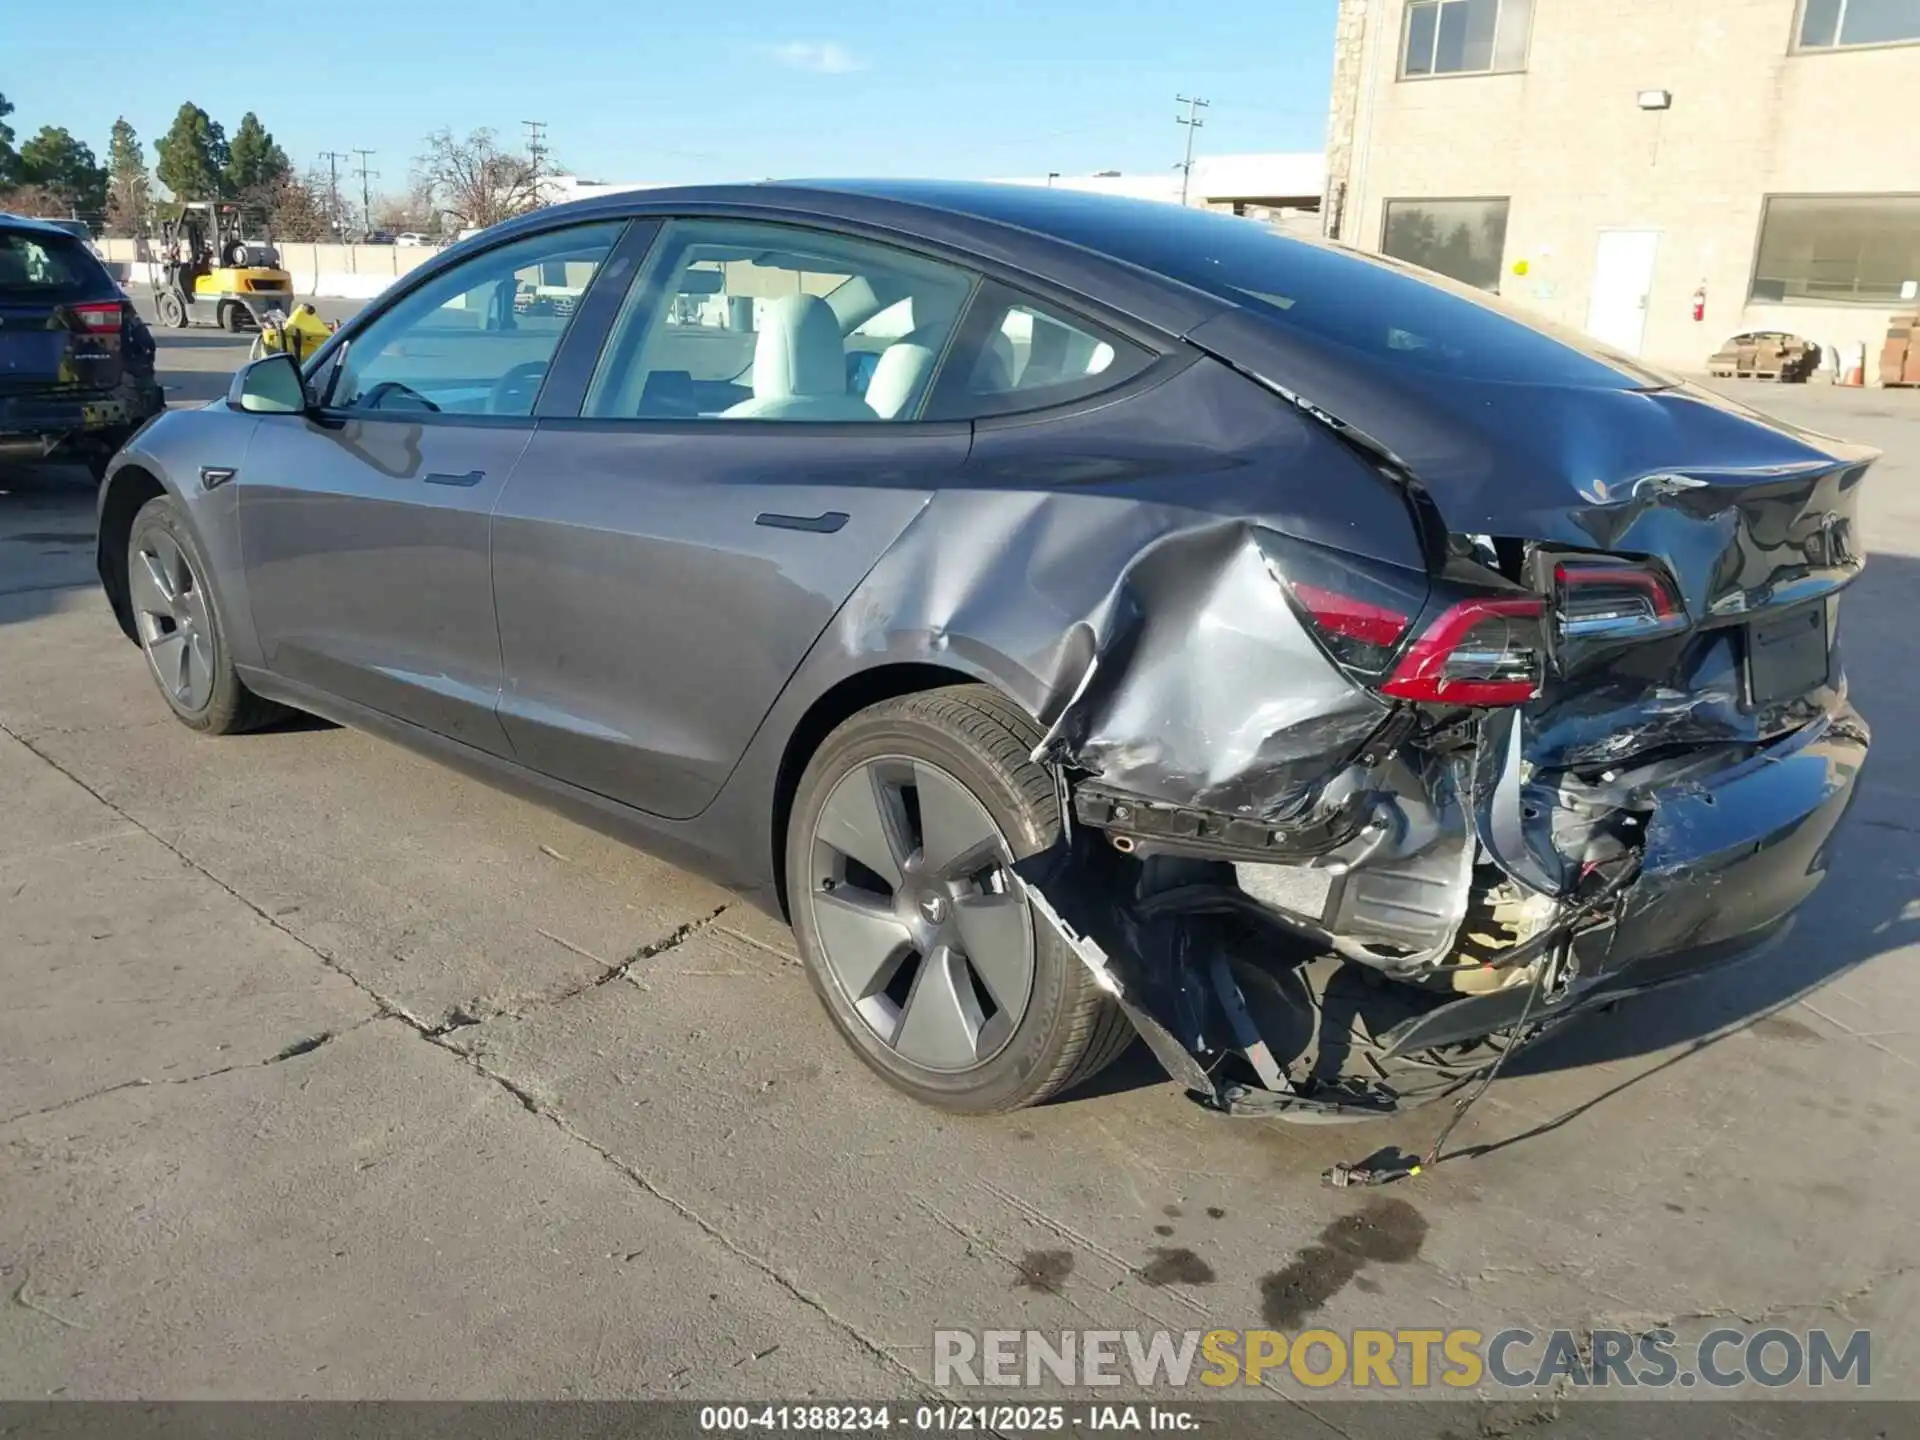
x=272, y=385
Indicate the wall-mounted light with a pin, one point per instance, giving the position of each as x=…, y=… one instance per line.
x=1656, y=99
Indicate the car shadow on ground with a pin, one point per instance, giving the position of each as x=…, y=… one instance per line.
x=46, y=539
x=193, y=387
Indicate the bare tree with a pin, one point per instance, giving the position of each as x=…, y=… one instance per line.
x=474, y=182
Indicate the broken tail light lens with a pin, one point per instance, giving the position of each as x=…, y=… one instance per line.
x=1357, y=632
x=1478, y=652
x=1604, y=601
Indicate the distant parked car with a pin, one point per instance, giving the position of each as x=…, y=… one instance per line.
x=413, y=238
x=76, y=362
x=376, y=237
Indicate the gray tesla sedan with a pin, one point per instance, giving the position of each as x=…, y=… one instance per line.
x=1079, y=617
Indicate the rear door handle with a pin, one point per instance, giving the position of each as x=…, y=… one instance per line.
x=465, y=482
x=824, y=523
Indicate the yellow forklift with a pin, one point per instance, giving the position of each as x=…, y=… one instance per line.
x=213, y=275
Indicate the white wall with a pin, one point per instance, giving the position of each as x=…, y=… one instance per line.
x=337, y=272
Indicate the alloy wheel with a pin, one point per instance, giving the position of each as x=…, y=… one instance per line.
x=170, y=613
x=918, y=914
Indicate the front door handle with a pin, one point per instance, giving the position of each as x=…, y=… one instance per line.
x=824, y=523
x=465, y=482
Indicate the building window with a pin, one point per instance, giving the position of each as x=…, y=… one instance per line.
x=1461, y=238
x=1839, y=249
x=1470, y=37
x=1834, y=24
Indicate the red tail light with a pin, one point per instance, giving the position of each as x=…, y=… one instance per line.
x=99, y=315
x=1479, y=652
x=1357, y=631
x=1603, y=600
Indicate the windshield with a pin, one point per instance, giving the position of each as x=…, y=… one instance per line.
x=38, y=265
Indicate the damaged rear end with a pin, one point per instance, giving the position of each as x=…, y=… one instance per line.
x=1344, y=830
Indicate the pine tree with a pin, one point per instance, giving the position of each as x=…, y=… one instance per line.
x=126, y=180
x=192, y=155
x=8, y=160
x=255, y=164
x=64, y=168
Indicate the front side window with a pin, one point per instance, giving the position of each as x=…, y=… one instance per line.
x=476, y=340
x=1462, y=239
x=1465, y=37
x=740, y=320
x=1833, y=24
x=1839, y=249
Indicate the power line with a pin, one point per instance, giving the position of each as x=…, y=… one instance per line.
x=366, y=193
x=1193, y=122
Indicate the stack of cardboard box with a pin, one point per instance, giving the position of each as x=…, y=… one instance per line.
x=1900, y=356
x=1771, y=356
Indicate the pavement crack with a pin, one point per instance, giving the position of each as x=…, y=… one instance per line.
x=634, y=1176
x=141, y=1082
x=381, y=1002
x=672, y=940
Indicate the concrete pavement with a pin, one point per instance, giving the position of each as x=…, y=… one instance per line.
x=327, y=1072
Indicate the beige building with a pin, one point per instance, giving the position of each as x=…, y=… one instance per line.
x=1602, y=163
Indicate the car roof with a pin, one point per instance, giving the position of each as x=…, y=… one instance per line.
x=987, y=223
x=34, y=223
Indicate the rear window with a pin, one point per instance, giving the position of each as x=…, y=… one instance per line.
x=1380, y=307
x=37, y=264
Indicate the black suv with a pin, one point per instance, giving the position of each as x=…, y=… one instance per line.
x=76, y=362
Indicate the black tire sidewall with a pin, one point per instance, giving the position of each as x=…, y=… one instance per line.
x=1027, y=1061
x=162, y=513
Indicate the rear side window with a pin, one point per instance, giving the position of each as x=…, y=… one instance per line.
x=1016, y=353
x=741, y=320
x=37, y=265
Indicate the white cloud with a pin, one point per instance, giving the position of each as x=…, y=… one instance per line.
x=822, y=57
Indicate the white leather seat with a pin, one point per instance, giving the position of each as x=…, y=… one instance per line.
x=902, y=373
x=799, y=366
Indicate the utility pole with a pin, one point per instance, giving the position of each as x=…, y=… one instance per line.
x=366, y=191
x=1193, y=122
x=333, y=159
x=536, y=145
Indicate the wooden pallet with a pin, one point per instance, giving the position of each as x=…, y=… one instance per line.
x=1730, y=372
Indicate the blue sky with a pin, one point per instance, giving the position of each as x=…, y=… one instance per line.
x=715, y=90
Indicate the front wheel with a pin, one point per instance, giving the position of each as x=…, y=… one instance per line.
x=172, y=309
x=177, y=620
x=913, y=928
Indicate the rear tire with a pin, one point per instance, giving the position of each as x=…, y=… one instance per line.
x=1012, y=1016
x=181, y=630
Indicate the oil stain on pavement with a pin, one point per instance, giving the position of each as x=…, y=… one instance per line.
x=1385, y=1232
x=1171, y=1266
x=1043, y=1270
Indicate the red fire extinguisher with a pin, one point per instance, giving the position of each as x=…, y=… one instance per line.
x=1700, y=301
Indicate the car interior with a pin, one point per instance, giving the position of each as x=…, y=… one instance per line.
x=723, y=325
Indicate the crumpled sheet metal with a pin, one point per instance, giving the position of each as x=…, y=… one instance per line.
x=1205, y=689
